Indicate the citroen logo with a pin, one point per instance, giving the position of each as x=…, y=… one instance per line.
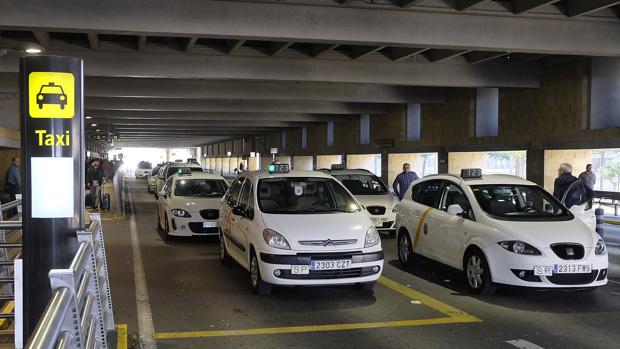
x=328, y=242
x=570, y=251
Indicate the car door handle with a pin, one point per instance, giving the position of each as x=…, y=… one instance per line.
x=425, y=229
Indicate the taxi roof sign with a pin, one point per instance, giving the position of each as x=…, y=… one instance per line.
x=279, y=168
x=338, y=167
x=468, y=173
x=184, y=171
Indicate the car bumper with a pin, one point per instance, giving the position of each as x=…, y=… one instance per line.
x=192, y=227
x=517, y=270
x=363, y=268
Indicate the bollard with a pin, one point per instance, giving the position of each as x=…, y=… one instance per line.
x=600, y=215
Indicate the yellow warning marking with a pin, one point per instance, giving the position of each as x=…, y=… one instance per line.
x=121, y=339
x=8, y=308
x=419, y=228
x=453, y=316
x=51, y=95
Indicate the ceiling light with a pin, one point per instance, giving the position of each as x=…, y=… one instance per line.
x=93, y=125
x=88, y=117
x=97, y=130
x=33, y=50
x=30, y=47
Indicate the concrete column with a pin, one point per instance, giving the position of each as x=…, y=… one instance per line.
x=384, y=166
x=442, y=159
x=535, y=164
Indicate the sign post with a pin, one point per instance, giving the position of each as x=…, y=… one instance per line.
x=51, y=119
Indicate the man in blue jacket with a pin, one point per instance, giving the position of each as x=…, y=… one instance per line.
x=404, y=180
x=13, y=182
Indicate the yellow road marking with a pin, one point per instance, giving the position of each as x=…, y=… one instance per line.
x=8, y=308
x=121, y=339
x=419, y=228
x=453, y=316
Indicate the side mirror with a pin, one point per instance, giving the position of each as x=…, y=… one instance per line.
x=577, y=210
x=455, y=210
x=238, y=211
x=162, y=194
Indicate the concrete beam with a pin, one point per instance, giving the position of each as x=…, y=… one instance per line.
x=231, y=105
x=319, y=24
x=521, y=6
x=477, y=57
x=197, y=124
x=462, y=5
x=581, y=7
x=183, y=66
x=101, y=116
x=93, y=40
x=43, y=37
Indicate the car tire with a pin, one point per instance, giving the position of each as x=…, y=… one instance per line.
x=167, y=236
x=478, y=274
x=367, y=286
x=224, y=256
x=259, y=286
x=405, y=250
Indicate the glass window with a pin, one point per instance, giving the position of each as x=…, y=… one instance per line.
x=427, y=193
x=168, y=186
x=519, y=202
x=453, y=195
x=233, y=193
x=362, y=184
x=144, y=165
x=200, y=187
x=577, y=194
x=303, y=195
x=245, y=198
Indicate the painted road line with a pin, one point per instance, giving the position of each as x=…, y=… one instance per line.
x=613, y=282
x=419, y=228
x=523, y=344
x=145, y=318
x=454, y=316
x=121, y=339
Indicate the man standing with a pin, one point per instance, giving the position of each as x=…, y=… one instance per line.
x=564, y=180
x=588, y=177
x=94, y=179
x=403, y=181
x=13, y=182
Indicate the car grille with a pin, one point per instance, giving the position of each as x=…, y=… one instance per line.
x=329, y=274
x=573, y=279
x=568, y=251
x=376, y=210
x=210, y=214
x=196, y=228
x=328, y=242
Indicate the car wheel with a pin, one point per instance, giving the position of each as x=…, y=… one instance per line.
x=367, y=286
x=224, y=257
x=166, y=229
x=405, y=250
x=259, y=286
x=478, y=274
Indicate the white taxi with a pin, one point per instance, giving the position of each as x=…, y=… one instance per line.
x=188, y=204
x=498, y=229
x=151, y=180
x=298, y=228
x=372, y=193
x=169, y=169
x=143, y=169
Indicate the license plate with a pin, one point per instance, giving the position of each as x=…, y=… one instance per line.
x=210, y=224
x=300, y=269
x=378, y=222
x=549, y=270
x=330, y=265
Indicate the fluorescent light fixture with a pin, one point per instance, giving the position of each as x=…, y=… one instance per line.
x=33, y=50
x=93, y=125
x=97, y=130
x=88, y=117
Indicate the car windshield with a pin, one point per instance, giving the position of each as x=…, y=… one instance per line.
x=304, y=195
x=52, y=90
x=200, y=187
x=172, y=170
x=519, y=202
x=360, y=184
x=143, y=165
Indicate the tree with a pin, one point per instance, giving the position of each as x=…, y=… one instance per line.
x=612, y=171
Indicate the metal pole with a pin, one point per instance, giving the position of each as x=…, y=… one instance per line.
x=52, y=138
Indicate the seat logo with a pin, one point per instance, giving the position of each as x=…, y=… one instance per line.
x=51, y=95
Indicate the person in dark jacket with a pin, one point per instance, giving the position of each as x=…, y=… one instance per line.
x=13, y=182
x=564, y=180
x=94, y=180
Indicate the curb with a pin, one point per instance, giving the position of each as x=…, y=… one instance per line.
x=612, y=221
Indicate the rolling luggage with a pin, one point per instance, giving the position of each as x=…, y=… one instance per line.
x=105, y=202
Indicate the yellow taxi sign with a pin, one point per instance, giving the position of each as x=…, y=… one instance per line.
x=51, y=95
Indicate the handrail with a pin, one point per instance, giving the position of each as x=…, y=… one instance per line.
x=10, y=225
x=46, y=333
x=11, y=204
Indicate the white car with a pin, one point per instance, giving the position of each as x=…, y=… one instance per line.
x=188, y=204
x=373, y=194
x=143, y=169
x=169, y=169
x=298, y=228
x=151, y=180
x=498, y=229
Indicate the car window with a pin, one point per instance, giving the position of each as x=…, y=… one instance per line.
x=452, y=194
x=576, y=194
x=233, y=193
x=200, y=187
x=168, y=186
x=519, y=202
x=362, y=184
x=427, y=193
x=246, y=196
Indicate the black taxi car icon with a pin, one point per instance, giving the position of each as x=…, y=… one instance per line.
x=51, y=94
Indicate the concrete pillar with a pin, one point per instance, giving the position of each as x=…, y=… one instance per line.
x=535, y=164
x=442, y=161
x=384, y=165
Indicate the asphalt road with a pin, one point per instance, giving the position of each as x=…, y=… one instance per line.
x=186, y=292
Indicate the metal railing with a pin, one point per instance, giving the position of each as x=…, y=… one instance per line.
x=612, y=199
x=10, y=251
x=79, y=314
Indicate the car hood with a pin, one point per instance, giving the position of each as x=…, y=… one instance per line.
x=190, y=204
x=333, y=226
x=386, y=200
x=543, y=234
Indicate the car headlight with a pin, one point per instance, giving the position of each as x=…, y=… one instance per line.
x=275, y=239
x=520, y=247
x=179, y=212
x=372, y=237
x=600, y=248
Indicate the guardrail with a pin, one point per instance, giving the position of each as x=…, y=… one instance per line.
x=79, y=314
x=10, y=264
x=613, y=196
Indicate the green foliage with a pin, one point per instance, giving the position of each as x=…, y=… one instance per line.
x=612, y=170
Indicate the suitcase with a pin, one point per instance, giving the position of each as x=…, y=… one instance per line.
x=87, y=200
x=105, y=202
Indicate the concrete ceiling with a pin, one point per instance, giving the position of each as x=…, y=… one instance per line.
x=194, y=72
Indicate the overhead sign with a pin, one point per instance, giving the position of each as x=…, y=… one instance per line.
x=274, y=150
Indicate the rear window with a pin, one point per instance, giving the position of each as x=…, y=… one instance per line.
x=362, y=184
x=143, y=165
